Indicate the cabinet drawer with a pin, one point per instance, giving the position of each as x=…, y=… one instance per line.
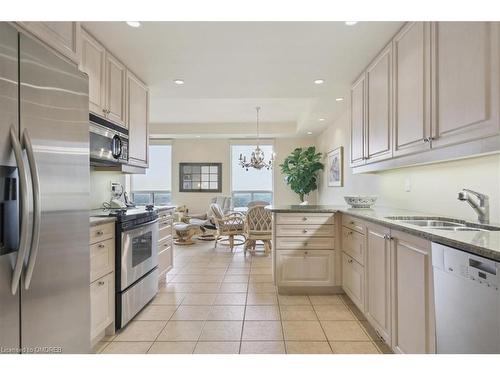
x=165, y=258
x=354, y=224
x=102, y=304
x=309, y=218
x=307, y=243
x=305, y=268
x=353, y=243
x=305, y=230
x=165, y=232
x=102, y=232
x=102, y=259
x=353, y=280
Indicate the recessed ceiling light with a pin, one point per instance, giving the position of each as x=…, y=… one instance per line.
x=319, y=81
x=178, y=81
x=339, y=99
x=133, y=23
x=351, y=23
x=309, y=133
x=321, y=119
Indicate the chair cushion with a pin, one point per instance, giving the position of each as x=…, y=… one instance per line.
x=183, y=227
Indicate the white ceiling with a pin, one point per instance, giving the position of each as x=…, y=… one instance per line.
x=231, y=67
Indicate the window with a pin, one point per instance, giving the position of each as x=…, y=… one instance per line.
x=254, y=184
x=200, y=177
x=155, y=186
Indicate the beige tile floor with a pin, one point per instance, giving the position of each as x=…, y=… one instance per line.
x=215, y=301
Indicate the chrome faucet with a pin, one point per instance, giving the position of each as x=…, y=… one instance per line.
x=481, y=206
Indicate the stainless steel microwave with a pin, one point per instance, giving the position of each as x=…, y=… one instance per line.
x=108, y=142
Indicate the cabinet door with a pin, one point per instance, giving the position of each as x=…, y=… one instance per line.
x=353, y=280
x=358, y=122
x=305, y=268
x=378, y=280
x=102, y=304
x=93, y=63
x=64, y=37
x=137, y=121
x=466, y=81
x=115, y=90
x=165, y=257
x=413, y=301
x=378, y=121
x=411, y=101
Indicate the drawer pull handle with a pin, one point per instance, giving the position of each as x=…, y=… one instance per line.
x=306, y=252
x=101, y=246
x=166, y=245
x=349, y=261
x=99, y=232
x=304, y=231
x=100, y=283
x=304, y=219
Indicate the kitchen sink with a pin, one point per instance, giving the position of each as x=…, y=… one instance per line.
x=440, y=223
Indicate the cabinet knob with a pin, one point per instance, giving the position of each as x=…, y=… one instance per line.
x=306, y=252
x=100, y=283
x=304, y=231
x=306, y=243
x=99, y=232
x=304, y=219
x=101, y=246
x=349, y=261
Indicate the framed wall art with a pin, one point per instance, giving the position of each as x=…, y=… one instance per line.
x=335, y=167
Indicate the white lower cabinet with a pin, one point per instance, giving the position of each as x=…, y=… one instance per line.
x=102, y=306
x=413, y=329
x=305, y=268
x=353, y=280
x=102, y=281
x=378, y=280
x=394, y=288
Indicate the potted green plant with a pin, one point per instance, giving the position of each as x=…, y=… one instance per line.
x=301, y=168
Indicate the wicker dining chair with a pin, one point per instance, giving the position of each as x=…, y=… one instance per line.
x=228, y=227
x=258, y=227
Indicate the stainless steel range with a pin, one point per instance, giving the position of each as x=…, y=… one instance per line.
x=136, y=260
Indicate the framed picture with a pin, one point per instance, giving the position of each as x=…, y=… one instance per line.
x=335, y=167
x=200, y=177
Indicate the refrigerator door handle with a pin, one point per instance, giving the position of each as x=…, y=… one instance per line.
x=24, y=211
x=37, y=208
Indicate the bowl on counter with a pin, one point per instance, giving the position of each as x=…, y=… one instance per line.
x=360, y=201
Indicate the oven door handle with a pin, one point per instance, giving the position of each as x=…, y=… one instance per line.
x=140, y=226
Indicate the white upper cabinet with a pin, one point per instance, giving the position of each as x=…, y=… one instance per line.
x=115, y=90
x=358, y=121
x=137, y=120
x=412, y=126
x=93, y=63
x=378, y=124
x=106, y=80
x=466, y=81
x=64, y=37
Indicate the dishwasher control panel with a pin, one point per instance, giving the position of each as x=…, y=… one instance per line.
x=481, y=270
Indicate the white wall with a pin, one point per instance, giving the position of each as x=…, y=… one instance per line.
x=100, y=186
x=434, y=187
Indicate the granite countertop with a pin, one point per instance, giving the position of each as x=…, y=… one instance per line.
x=482, y=243
x=94, y=221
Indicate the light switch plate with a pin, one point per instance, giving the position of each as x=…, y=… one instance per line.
x=407, y=184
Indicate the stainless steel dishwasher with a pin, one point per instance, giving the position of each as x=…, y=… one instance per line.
x=467, y=301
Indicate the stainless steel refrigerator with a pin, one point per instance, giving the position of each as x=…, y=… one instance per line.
x=44, y=199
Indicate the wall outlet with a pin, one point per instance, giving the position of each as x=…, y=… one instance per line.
x=116, y=189
x=407, y=184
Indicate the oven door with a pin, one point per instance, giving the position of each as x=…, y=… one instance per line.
x=139, y=252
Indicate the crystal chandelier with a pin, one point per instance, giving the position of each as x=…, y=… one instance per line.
x=257, y=159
